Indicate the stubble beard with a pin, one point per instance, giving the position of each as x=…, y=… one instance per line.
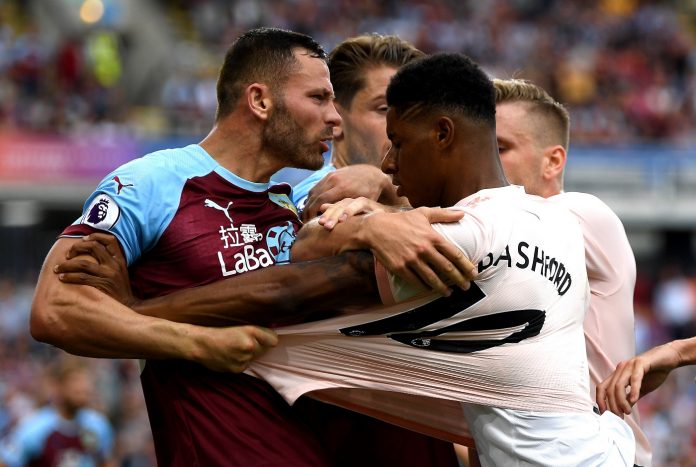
x=286, y=138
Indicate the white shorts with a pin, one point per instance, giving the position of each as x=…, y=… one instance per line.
x=516, y=438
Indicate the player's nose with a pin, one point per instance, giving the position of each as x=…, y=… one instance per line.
x=388, y=165
x=333, y=118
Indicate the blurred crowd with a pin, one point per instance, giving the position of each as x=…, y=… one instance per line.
x=665, y=310
x=53, y=88
x=625, y=68
x=25, y=385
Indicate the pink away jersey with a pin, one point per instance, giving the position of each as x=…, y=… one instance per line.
x=513, y=341
x=609, y=323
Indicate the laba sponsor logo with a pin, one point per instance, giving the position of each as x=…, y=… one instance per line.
x=246, y=260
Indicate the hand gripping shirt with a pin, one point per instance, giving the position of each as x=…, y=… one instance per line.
x=513, y=341
x=184, y=221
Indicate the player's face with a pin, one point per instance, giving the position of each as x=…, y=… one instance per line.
x=411, y=160
x=521, y=155
x=76, y=390
x=303, y=115
x=364, y=127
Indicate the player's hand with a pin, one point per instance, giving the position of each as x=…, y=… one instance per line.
x=231, y=349
x=353, y=181
x=643, y=374
x=109, y=274
x=334, y=213
x=407, y=245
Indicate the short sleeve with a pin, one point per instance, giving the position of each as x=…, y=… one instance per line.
x=135, y=203
x=468, y=234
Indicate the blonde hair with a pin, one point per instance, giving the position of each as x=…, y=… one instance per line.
x=539, y=101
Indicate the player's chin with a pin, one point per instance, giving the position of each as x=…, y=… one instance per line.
x=311, y=160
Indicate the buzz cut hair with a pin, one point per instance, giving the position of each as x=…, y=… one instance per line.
x=263, y=55
x=450, y=82
x=539, y=101
x=350, y=59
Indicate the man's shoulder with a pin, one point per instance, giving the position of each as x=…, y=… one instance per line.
x=185, y=161
x=157, y=175
x=588, y=208
x=573, y=198
x=300, y=191
x=38, y=424
x=92, y=419
x=502, y=203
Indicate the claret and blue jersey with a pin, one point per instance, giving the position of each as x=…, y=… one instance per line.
x=47, y=439
x=183, y=221
x=179, y=210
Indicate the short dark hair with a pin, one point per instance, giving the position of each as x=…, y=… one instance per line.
x=350, y=59
x=444, y=81
x=264, y=55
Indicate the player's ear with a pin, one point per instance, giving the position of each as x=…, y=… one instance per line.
x=444, y=132
x=259, y=100
x=554, y=161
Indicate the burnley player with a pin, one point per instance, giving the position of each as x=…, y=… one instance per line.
x=360, y=68
x=196, y=215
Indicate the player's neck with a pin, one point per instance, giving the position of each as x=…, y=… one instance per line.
x=553, y=188
x=67, y=413
x=239, y=151
x=339, y=161
x=338, y=155
x=341, y=156
x=478, y=167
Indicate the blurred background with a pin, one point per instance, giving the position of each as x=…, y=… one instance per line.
x=86, y=85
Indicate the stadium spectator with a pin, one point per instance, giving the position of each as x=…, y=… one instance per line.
x=65, y=432
x=626, y=72
x=675, y=302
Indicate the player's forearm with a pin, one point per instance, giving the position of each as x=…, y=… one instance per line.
x=83, y=321
x=116, y=333
x=686, y=348
x=274, y=296
x=314, y=241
